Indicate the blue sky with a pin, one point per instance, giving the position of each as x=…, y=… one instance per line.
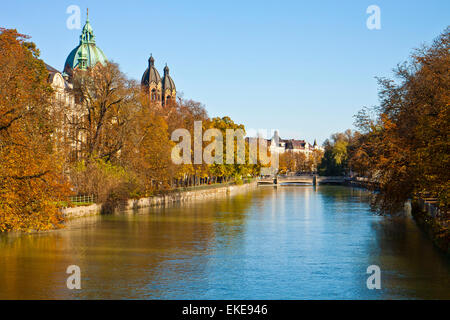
x=303, y=67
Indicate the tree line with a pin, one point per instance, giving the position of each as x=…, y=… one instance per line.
x=299, y=162
x=121, y=148
x=403, y=144
x=113, y=143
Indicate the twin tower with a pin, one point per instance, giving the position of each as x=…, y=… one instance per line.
x=160, y=91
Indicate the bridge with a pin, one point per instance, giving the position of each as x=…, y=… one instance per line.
x=301, y=180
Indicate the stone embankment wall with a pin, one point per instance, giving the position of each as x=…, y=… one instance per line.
x=163, y=200
x=82, y=211
x=434, y=222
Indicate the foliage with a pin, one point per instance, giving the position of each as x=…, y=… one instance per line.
x=292, y=162
x=335, y=158
x=107, y=101
x=98, y=176
x=405, y=142
x=31, y=180
x=113, y=143
x=147, y=152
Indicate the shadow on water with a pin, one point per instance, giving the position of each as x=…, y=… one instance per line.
x=409, y=261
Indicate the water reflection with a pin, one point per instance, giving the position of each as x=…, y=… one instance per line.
x=296, y=242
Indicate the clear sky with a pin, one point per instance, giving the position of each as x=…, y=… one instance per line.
x=303, y=67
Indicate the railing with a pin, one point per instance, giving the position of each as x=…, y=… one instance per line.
x=82, y=199
x=204, y=186
x=302, y=179
x=430, y=205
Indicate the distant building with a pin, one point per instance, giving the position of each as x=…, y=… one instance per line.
x=65, y=105
x=64, y=111
x=86, y=54
x=291, y=145
x=60, y=86
x=160, y=91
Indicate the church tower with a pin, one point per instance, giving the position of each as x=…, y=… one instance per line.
x=86, y=54
x=151, y=82
x=168, y=87
x=160, y=91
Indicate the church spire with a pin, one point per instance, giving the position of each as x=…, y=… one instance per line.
x=87, y=35
x=86, y=54
x=151, y=61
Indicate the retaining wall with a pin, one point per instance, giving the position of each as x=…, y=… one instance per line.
x=434, y=222
x=163, y=200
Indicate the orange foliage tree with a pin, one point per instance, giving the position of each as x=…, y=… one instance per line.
x=405, y=142
x=31, y=180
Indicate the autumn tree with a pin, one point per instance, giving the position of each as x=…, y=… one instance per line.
x=31, y=180
x=106, y=101
x=314, y=159
x=182, y=114
x=405, y=143
x=106, y=105
x=147, y=151
x=235, y=165
x=287, y=162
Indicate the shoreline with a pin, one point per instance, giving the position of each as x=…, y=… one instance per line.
x=160, y=200
x=424, y=214
x=428, y=218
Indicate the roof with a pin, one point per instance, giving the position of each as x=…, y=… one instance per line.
x=150, y=74
x=51, y=72
x=298, y=144
x=51, y=69
x=86, y=51
x=168, y=83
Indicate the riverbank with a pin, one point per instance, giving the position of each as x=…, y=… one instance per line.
x=177, y=196
x=433, y=222
x=425, y=213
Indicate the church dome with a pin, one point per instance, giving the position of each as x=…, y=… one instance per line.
x=86, y=54
x=151, y=74
x=168, y=83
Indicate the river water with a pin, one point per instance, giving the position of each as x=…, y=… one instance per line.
x=296, y=242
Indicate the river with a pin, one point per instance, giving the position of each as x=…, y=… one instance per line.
x=296, y=242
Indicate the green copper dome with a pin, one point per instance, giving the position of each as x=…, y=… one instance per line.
x=86, y=54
